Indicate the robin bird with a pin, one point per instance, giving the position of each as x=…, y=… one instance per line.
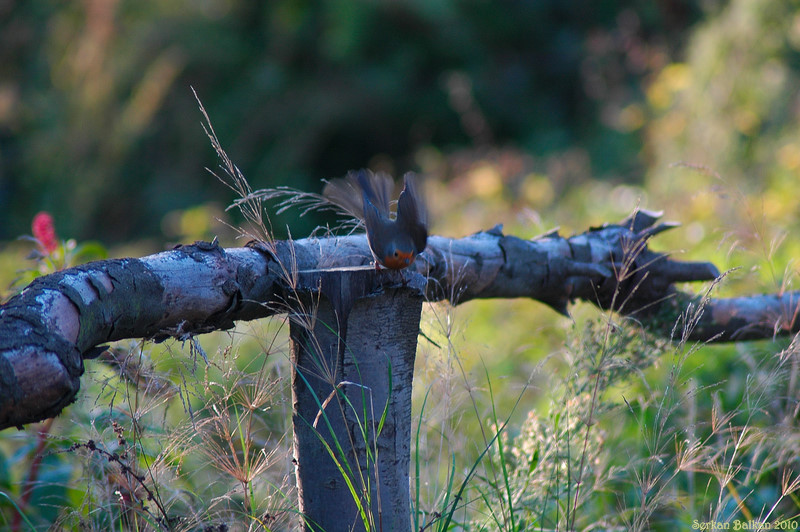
x=394, y=241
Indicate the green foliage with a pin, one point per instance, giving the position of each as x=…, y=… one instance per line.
x=724, y=141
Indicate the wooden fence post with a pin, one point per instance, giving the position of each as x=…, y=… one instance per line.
x=351, y=381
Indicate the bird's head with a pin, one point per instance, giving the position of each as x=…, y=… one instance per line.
x=396, y=259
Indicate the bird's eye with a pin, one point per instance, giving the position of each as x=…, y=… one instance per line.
x=396, y=254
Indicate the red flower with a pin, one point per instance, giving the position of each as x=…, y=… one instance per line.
x=44, y=231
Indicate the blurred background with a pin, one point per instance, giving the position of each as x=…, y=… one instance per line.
x=532, y=114
x=518, y=101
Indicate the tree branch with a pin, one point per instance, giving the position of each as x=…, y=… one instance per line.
x=59, y=320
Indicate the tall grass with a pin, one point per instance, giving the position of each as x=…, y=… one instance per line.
x=632, y=436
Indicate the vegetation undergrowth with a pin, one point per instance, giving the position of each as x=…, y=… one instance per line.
x=629, y=437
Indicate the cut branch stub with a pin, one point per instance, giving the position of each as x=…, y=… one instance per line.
x=642, y=278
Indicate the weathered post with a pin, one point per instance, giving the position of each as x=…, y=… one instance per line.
x=354, y=339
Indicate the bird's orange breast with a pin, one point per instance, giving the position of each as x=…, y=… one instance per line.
x=398, y=260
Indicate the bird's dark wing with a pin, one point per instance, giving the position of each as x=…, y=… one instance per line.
x=346, y=193
x=349, y=192
x=412, y=214
x=377, y=188
x=380, y=230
